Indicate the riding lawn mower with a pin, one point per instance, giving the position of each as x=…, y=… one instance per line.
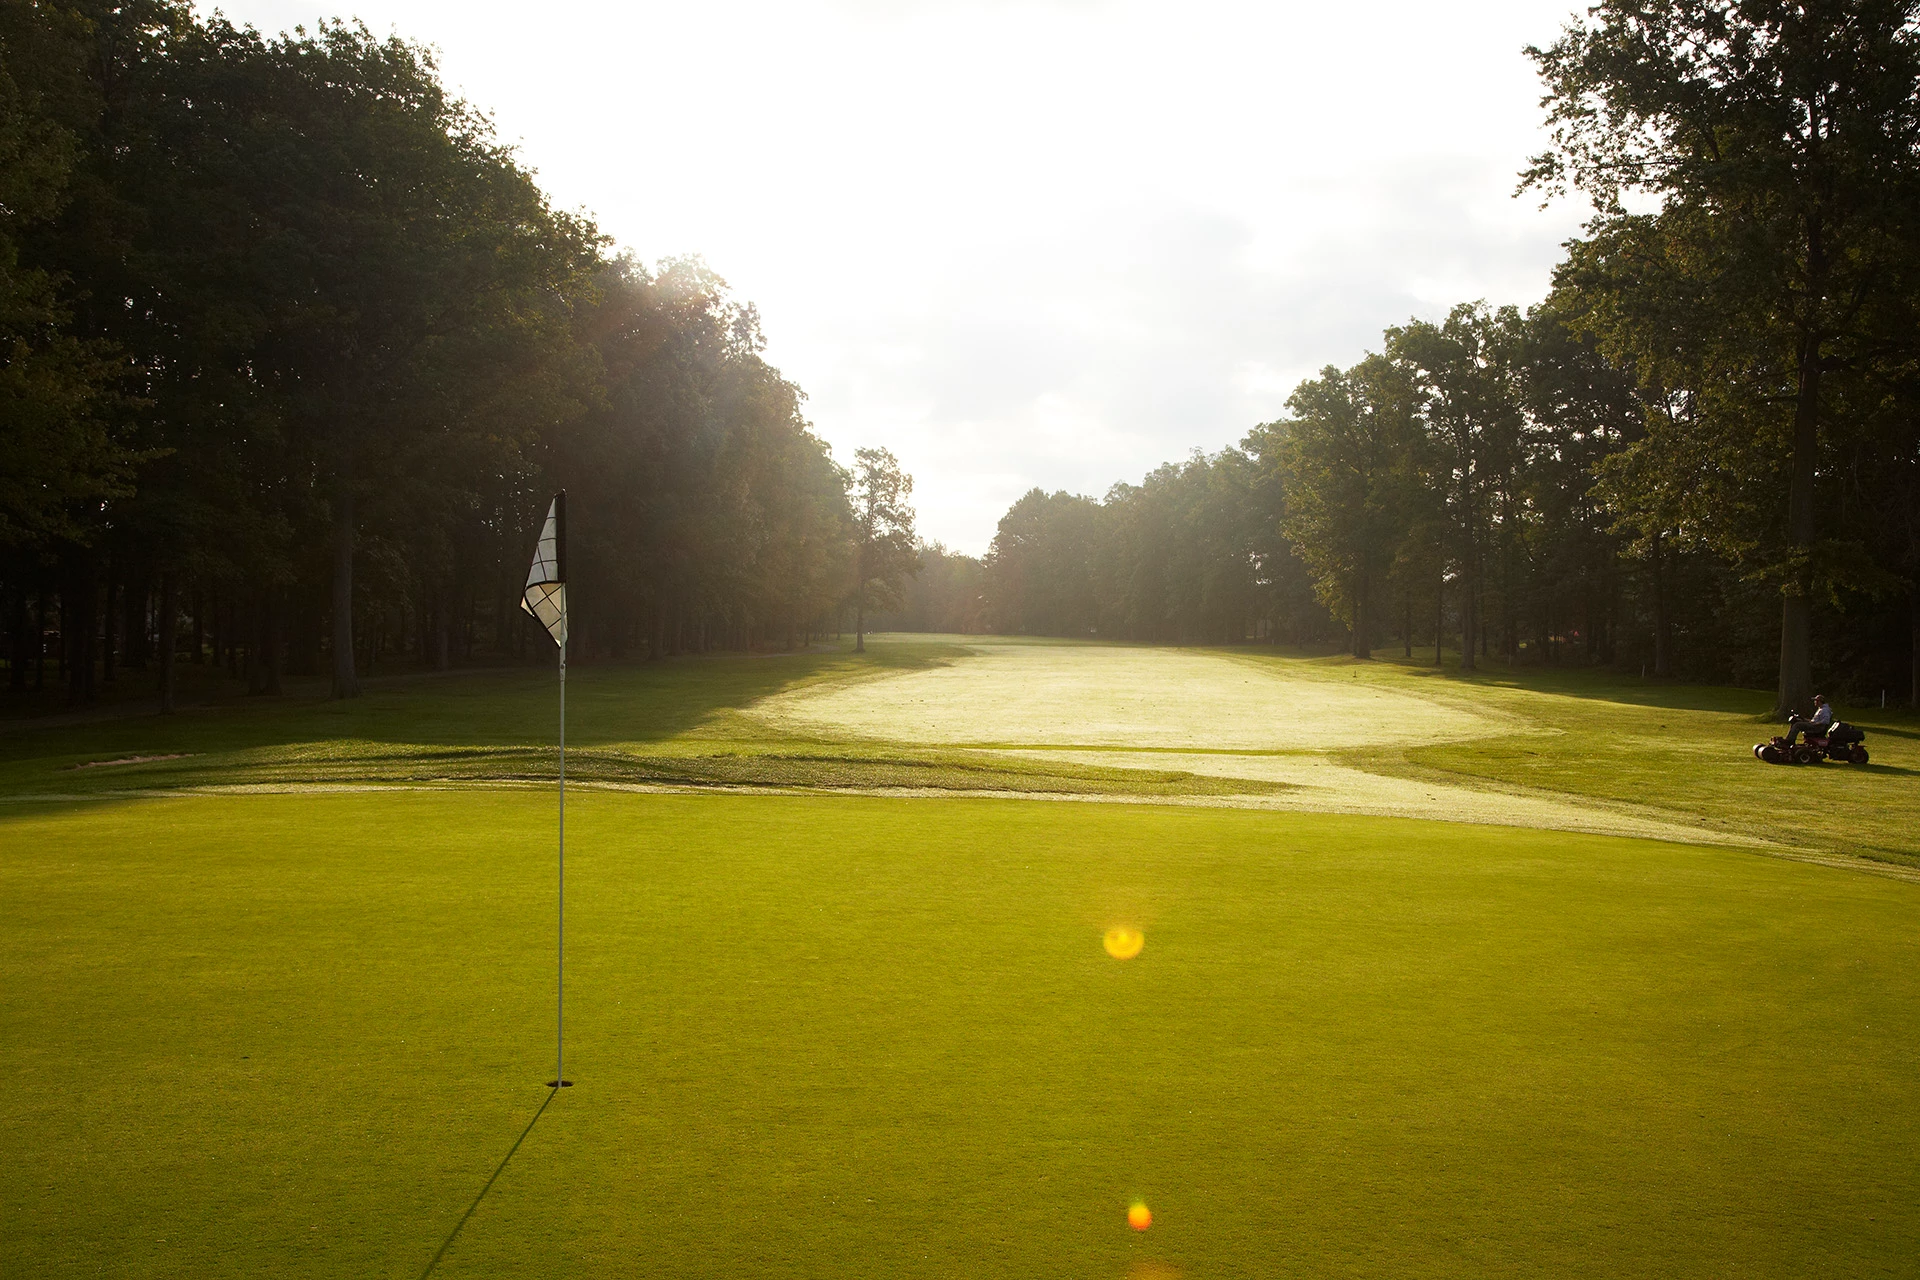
x=1842, y=743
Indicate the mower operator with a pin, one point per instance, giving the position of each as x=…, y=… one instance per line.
x=1822, y=719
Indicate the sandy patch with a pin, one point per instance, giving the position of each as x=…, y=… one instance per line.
x=1100, y=695
x=1321, y=786
x=102, y=764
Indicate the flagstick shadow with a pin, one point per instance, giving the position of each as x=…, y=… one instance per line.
x=458, y=1227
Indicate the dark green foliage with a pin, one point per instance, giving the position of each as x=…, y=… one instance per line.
x=292, y=350
x=1712, y=418
x=1782, y=144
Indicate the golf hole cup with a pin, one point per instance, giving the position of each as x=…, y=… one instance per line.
x=1123, y=943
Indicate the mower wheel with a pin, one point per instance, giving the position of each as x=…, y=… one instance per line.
x=1805, y=755
x=1770, y=753
x=1858, y=755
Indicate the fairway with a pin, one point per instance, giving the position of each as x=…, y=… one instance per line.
x=1017, y=692
x=819, y=1036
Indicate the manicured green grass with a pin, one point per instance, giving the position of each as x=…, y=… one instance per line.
x=1683, y=748
x=848, y=1036
x=677, y=722
x=950, y=713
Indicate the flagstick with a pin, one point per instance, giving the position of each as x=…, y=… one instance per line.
x=560, y=1080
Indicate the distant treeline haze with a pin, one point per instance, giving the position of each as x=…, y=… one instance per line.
x=1700, y=456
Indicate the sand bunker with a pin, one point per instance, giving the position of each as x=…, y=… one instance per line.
x=1111, y=695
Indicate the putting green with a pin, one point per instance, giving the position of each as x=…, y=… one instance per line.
x=845, y=1037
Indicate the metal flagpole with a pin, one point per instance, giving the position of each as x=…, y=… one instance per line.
x=560, y=1080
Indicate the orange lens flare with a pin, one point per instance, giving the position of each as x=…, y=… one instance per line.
x=1123, y=943
x=1139, y=1217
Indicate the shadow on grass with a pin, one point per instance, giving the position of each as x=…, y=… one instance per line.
x=33, y=808
x=465, y=1217
x=510, y=708
x=1891, y=770
x=1599, y=684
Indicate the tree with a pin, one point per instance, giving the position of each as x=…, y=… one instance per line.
x=1343, y=459
x=1040, y=567
x=1781, y=141
x=1583, y=409
x=945, y=596
x=291, y=348
x=883, y=541
x=1467, y=379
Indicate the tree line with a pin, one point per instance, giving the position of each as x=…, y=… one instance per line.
x=1699, y=456
x=292, y=350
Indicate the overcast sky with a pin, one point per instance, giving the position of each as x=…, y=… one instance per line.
x=1053, y=242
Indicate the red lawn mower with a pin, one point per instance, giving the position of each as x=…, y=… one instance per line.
x=1842, y=743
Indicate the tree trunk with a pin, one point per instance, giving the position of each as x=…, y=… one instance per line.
x=859, y=621
x=1662, y=622
x=19, y=628
x=270, y=640
x=1469, y=602
x=1796, y=605
x=256, y=642
x=1362, y=639
x=134, y=646
x=40, y=641
x=109, y=630
x=1439, y=617
x=1406, y=622
x=168, y=606
x=346, y=684
x=1913, y=687
x=79, y=629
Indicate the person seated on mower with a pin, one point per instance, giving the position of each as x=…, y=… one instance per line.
x=1822, y=720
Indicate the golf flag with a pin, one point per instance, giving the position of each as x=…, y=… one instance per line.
x=546, y=594
x=546, y=599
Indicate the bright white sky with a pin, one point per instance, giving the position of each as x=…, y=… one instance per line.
x=1044, y=243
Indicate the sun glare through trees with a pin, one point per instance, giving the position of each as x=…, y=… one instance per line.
x=648, y=734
